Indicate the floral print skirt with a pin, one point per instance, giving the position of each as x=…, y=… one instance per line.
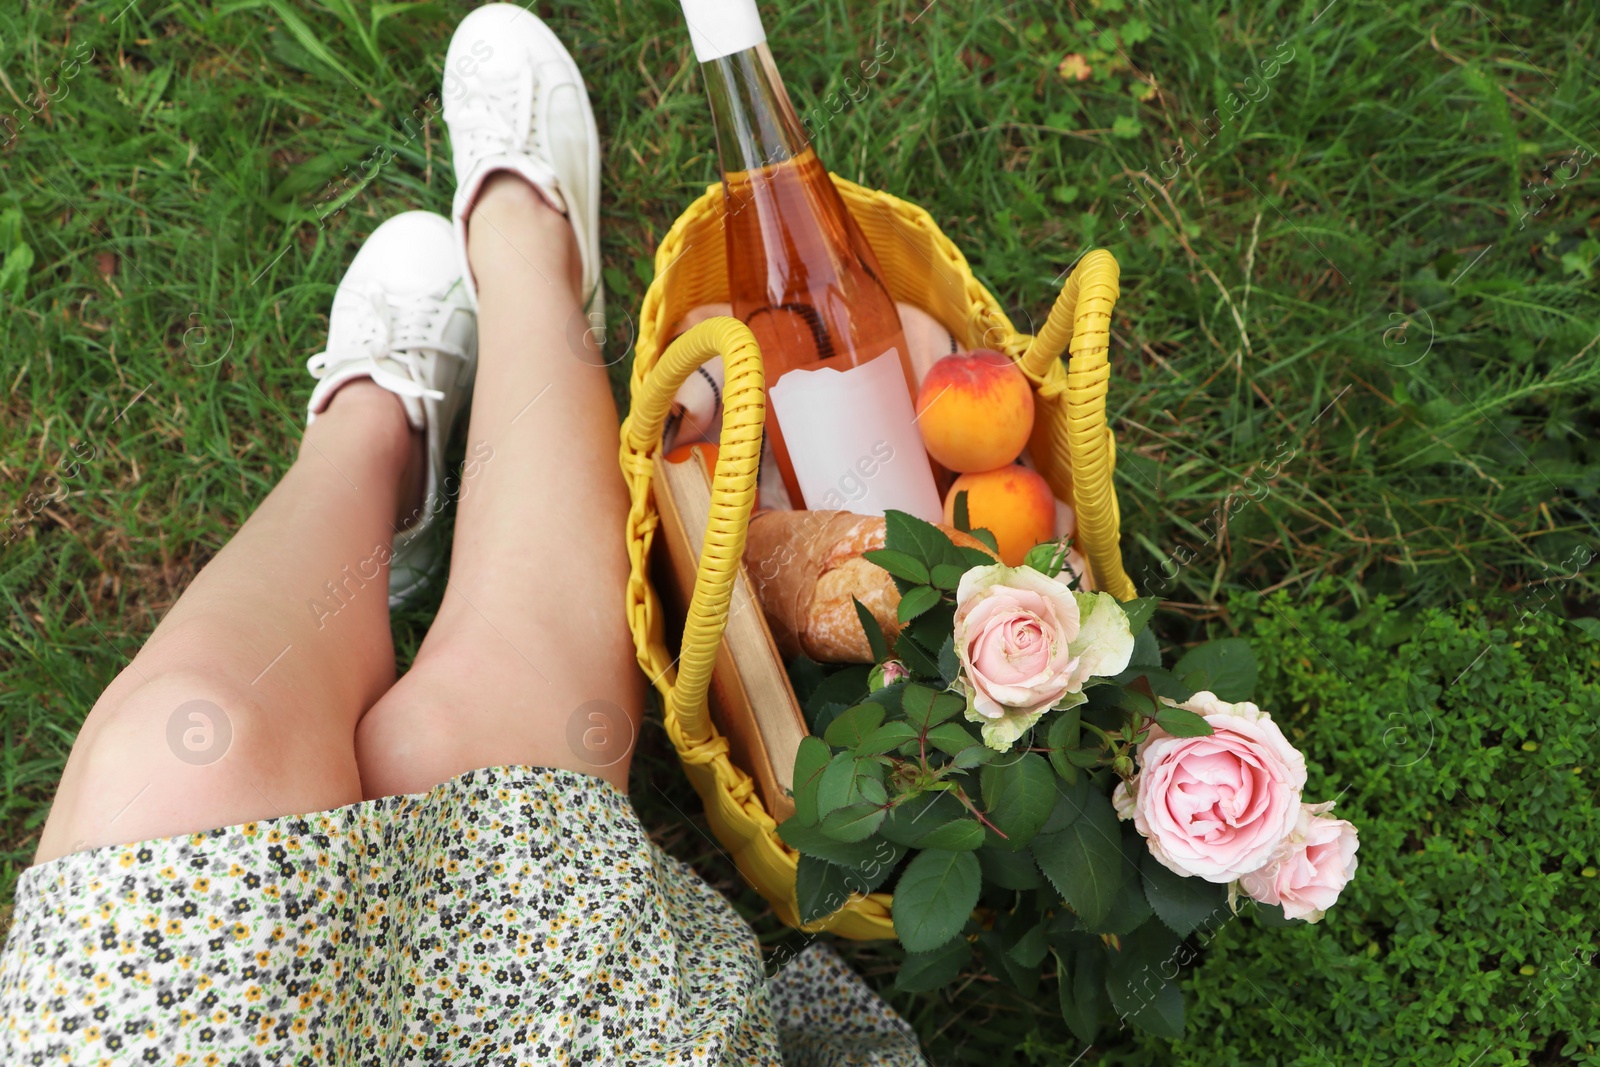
x=512, y=915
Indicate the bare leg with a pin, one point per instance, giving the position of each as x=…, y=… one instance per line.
x=529, y=660
x=243, y=704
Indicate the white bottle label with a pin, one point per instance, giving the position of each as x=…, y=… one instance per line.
x=853, y=439
x=720, y=28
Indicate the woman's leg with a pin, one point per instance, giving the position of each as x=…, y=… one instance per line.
x=243, y=703
x=529, y=660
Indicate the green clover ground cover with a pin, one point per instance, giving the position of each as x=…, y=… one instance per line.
x=1355, y=347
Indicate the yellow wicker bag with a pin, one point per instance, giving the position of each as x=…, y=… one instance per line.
x=1072, y=446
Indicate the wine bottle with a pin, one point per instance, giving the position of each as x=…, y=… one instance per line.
x=803, y=278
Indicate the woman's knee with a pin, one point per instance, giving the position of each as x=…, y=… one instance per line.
x=463, y=707
x=180, y=751
x=172, y=720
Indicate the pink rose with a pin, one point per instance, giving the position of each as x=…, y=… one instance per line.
x=1026, y=641
x=1216, y=807
x=1312, y=868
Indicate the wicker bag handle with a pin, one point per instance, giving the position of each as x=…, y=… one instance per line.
x=1072, y=445
x=733, y=494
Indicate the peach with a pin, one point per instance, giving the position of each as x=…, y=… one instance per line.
x=975, y=410
x=1013, y=503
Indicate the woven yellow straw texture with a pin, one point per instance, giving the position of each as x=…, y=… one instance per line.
x=1071, y=445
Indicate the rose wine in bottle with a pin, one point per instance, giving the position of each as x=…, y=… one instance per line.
x=803, y=278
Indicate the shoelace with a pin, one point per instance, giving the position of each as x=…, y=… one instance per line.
x=495, y=120
x=400, y=332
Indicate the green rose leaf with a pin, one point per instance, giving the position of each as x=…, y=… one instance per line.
x=809, y=760
x=1084, y=861
x=1146, y=650
x=1065, y=726
x=932, y=628
x=976, y=756
x=1230, y=666
x=947, y=576
x=1024, y=980
x=1131, y=700
x=1062, y=928
x=888, y=697
x=853, y=725
x=1084, y=757
x=1018, y=795
x=1030, y=948
x=889, y=736
x=836, y=783
x=923, y=972
x=1010, y=870
x=908, y=820
x=1162, y=682
x=958, y=512
x=1184, y=904
x=934, y=896
x=806, y=674
x=1158, y=1010
x=857, y=855
x=916, y=600
x=823, y=715
x=844, y=688
x=951, y=738
x=973, y=557
x=1128, y=912
x=899, y=564
x=1180, y=722
x=949, y=662
x=1062, y=737
x=822, y=888
x=960, y=835
x=847, y=780
x=925, y=707
x=874, y=632
x=919, y=660
x=870, y=786
x=855, y=822
x=1140, y=991
x=1070, y=800
x=1083, y=987
x=1139, y=612
x=918, y=539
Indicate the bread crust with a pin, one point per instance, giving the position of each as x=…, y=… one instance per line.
x=809, y=569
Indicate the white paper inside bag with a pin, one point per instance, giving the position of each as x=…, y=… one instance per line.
x=853, y=440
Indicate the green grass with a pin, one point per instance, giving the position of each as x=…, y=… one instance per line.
x=1341, y=352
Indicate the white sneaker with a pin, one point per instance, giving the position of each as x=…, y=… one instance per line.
x=401, y=317
x=514, y=101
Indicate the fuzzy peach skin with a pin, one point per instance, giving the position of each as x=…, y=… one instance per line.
x=975, y=410
x=1216, y=807
x=1013, y=503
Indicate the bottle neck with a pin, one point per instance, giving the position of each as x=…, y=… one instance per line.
x=755, y=123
